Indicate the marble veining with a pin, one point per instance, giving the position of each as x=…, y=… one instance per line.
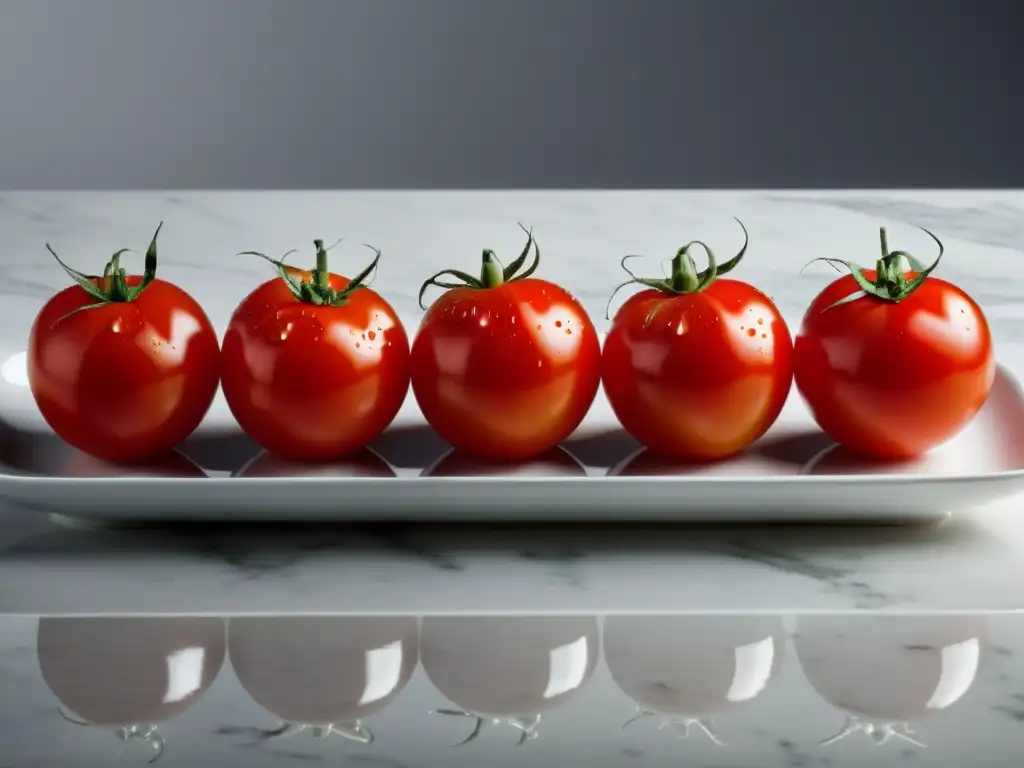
x=965, y=564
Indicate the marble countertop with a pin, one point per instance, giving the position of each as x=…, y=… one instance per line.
x=965, y=564
x=737, y=690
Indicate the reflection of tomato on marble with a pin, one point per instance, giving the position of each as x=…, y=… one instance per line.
x=128, y=674
x=886, y=672
x=323, y=673
x=682, y=669
x=508, y=669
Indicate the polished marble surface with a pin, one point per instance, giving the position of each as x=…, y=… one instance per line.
x=709, y=691
x=969, y=563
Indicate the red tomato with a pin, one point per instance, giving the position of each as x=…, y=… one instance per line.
x=697, y=367
x=315, y=365
x=506, y=366
x=123, y=367
x=897, y=372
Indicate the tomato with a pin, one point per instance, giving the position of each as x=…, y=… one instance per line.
x=697, y=367
x=505, y=366
x=123, y=367
x=324, y=674
x=887, y=671
x=127, y=674
x=683, y=669
x=508, y=670
x=315, y=365
x=893, y=363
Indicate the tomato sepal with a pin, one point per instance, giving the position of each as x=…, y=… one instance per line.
x=527, y=726
x=317, y=290
x=681, y=725
x=890, y=282
x=685, y=278
x=146, y=734
x=354, y=731
x=492, y=273
x=112, y=286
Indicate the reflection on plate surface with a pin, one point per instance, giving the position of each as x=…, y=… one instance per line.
x=557, y=462
x=509, y=669
x=173, y=464
x=323, y=673
x=885, y=672
x=598, y=474
x=129, y=674
x=362, y=463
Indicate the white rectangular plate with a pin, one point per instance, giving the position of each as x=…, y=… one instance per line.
x=793, y=474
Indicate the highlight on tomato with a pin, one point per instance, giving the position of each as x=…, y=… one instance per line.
x=123, y=367
x=316, y=365
x=893, y=362
x=696, y=366
x=504, y=365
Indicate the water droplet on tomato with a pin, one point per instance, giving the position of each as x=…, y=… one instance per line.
x=751, y=332
x=513, y=320
x=473, y=311
x=540, y=363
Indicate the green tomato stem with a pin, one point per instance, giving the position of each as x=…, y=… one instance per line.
x=684, y=272
x=322, y=271
x=890, y=281
x=112, y=285
x=317, y=290
x=491, y=272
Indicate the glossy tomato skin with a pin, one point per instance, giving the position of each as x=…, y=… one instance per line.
x=700, y=376
x=125, y=381
x=314, y=383
x=892, y=380
x=506, y=373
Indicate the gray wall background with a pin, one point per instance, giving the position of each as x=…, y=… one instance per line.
x=510, y=93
